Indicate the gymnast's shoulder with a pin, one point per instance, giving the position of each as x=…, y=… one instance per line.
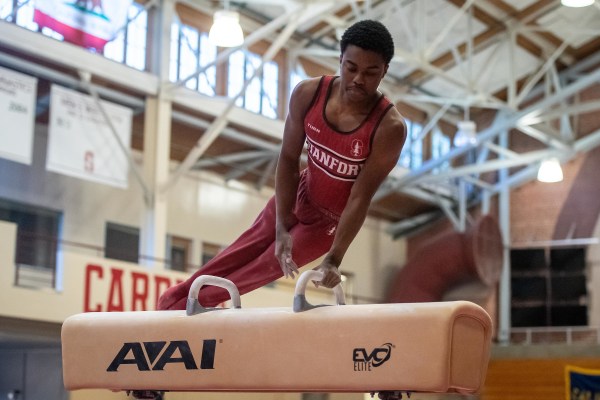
x=302, y=96
x=392, y=127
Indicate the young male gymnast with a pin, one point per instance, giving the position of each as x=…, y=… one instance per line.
x=353, y=135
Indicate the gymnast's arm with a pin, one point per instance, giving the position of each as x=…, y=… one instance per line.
x=287, y=175
x=387, y=144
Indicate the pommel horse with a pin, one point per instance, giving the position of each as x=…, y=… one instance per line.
x=388, y=349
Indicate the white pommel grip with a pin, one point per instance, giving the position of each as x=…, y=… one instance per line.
x=193, y=305
x=300, y=303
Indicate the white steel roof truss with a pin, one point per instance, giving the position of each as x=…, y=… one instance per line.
x=214, y=130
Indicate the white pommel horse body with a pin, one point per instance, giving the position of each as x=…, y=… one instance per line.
x=436, y=347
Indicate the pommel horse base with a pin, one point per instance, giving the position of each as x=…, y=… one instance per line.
x=440, y=347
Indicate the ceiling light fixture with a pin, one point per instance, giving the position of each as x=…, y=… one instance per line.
x=577, y=3
x=226, y=30
x=550, y=171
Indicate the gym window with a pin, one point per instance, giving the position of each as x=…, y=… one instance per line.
x=209, y=250
x=549, y=287
x=122, y=242
x=179, y=250
x=412, y=153
x=297, y=75
x=190, y=49
x=21, y=13
x=129, y=45
x=37, y=242
x=261, y=95
x=440, y=145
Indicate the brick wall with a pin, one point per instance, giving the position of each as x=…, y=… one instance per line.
x=536, y=206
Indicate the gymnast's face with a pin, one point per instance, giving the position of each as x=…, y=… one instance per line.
x=361, y=72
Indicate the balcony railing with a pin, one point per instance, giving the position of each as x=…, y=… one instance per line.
x=568, y=335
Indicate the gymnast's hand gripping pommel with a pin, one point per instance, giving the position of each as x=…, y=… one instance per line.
x=300, y=302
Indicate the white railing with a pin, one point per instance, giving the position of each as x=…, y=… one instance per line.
x=555, y=335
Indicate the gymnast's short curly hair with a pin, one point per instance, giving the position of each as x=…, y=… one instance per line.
x=369, y=35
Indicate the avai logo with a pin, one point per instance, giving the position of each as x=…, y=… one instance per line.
x=154, y=356
x=365, y=360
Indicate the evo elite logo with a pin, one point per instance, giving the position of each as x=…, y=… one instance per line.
x=154, y=356
x=366, y=360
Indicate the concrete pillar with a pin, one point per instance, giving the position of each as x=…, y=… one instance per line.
x=504, y=299
x=157, y=140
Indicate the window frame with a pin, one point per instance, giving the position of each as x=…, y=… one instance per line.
x=115, y=248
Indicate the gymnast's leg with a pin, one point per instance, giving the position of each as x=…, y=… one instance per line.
x=249, y=246
x=312, y=237
x=250, y=261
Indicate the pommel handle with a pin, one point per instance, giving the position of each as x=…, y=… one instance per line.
x=193, y=305
x=300, y=302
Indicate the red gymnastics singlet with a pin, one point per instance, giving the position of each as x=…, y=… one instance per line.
x=335, y=158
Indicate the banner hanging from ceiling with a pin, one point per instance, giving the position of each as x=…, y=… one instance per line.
x=87, y=23
x=82, y=143
x=17, y=115
x=582, y=383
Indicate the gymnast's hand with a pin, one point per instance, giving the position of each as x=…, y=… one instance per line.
x=283, y=252
x=331, y=275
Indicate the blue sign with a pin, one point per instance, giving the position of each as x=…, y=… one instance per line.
x=582, y=383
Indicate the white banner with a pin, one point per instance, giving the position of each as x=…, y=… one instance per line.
x=81, y=142
x=17, y=115
x=87, y=23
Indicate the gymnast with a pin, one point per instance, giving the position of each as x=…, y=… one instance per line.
x=354, y=135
